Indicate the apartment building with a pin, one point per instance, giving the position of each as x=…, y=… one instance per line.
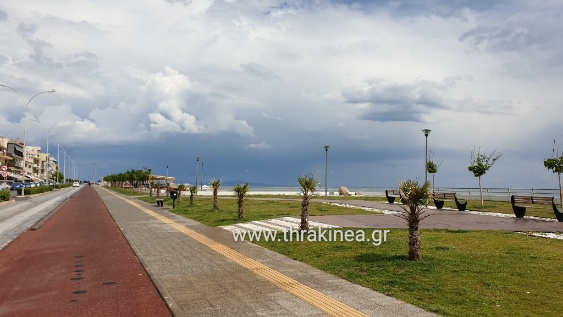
x=39, y=166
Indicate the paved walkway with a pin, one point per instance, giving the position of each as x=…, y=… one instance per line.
x=202, y=271
x=78, y=263
x=440, y=219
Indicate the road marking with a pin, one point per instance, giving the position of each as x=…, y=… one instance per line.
x=321, y=301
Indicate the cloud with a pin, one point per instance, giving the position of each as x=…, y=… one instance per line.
x=258, y=71
x=285, y=78
x=258, y=146
x=412, y=101
x=3, y=16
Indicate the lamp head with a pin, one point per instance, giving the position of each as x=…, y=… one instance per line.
x=426, y=132
x=326, y=147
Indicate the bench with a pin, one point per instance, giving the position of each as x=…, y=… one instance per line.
x=441, y=197
x=160, y=202
x=520, y=211
x=391, y=194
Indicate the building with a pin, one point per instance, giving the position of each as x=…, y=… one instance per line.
x=39, y=166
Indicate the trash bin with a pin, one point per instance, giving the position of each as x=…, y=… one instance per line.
x=173, y=194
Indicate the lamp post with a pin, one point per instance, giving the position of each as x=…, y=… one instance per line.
x=48, y=154
x=25, y=105
x=326, y=171
x=202, y=174
x=196, y=170
x=426, y=133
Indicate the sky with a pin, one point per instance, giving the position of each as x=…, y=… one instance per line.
x=257, y=88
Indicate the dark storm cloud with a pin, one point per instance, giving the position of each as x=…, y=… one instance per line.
x=399, y=101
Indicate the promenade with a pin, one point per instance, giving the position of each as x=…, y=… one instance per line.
x=104, y=254
x=78, y=263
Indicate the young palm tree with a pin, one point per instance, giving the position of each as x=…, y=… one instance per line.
x=414, y=200
x=308, y=187
x=193, y=191
x=241, y=191
x=216, y=184
x=181, y=188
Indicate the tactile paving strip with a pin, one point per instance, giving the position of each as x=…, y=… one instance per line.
x=323, y=302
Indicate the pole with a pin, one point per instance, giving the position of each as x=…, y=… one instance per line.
x=201, y=181
x=326, y=171
x=426, y=133
x=426, y=163
x=196, y=170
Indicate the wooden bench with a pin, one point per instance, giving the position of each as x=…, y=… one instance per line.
x=520, y=211
x=441, y=197
x=160, y=202
x=391, y=194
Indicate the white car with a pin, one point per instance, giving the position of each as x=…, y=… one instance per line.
x=76, y=184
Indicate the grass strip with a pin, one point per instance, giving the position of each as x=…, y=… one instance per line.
x=463, y=273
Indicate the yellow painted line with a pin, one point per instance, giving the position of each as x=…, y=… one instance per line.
x=323, y=302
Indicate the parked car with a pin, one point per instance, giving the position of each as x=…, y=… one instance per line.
x=76, y=184
x=16, y=186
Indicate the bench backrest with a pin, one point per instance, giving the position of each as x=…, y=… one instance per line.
x=444, y=195
x=392, y=192
x=531, y=200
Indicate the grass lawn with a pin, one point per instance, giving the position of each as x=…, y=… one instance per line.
x=254, y=209
x=463, y=273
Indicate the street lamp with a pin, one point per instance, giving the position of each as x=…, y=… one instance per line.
x=426, y=133
x=196, y=170
x=326, y=171
x=48, y=154
x=25, y=105
x=202, y=174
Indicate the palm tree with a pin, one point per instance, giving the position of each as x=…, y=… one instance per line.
x=193, y=191
x=308, y=187
x=181, y=188
x=241, y=191
x=216, y=184
x=415, y=198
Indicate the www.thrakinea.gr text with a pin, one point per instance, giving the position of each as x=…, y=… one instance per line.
x=377, y=237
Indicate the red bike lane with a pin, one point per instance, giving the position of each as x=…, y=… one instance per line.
x=76, y=264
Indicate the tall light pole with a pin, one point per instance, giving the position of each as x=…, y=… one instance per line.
x=25, y=105
x=201, y=176
x=48, y=154
x=426, y=133
x=196, y=170
x=326, y=171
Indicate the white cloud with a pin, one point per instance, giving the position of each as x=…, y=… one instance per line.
x=223, y=74
x=259, y=146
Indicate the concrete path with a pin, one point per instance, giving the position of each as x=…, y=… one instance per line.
x=439, y=219
x=202, y=271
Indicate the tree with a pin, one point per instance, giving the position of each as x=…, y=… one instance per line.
x=181, y=188
x=58, y=176
x=555, y=164
x=241, y=191
x=414, y=200
x=308, y=187
x=193, y=191
x=216, y=184
x=480, y=163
